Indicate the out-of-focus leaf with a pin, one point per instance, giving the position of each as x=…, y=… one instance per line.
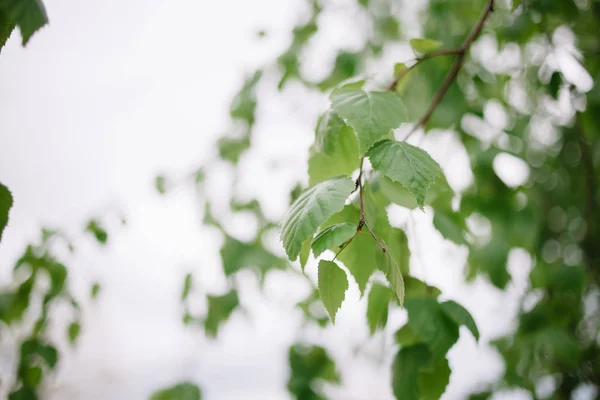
x=6, y=202
x=237, y=255
x=95, y=228
x=428, y=320
x=460, y=316
x=308, y=365
x=424, y=45
x=29, y=15
x=181, y=391
x=187, y=286
x=73, y=331
x=378, y=306
x=219, y=310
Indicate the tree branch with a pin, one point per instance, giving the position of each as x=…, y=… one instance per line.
x=451, y=76
x=432, y=54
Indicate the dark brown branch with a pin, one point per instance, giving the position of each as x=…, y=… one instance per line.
x=451, y=76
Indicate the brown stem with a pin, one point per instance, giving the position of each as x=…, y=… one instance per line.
x=419, y=60
x=451, y=76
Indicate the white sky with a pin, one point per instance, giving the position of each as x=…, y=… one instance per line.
x=112, y=93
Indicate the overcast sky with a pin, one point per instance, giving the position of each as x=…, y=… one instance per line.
x=113, y=92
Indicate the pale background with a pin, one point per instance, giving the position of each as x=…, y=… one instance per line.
x=113, y=92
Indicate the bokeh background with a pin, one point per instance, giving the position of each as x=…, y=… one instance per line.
x=110, y=94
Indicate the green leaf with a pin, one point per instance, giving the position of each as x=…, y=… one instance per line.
x=73, y=331
x=428, y=320
x=460, y=316
x=237, y=255
x=6, y=28
x=160, y=184
x=378, y=306
x=405, y=337
x=333, y=236
x=308, y=366
x=418, y=288
x=95, y=290
x=451, y=225
x=187, y=286
x=6, y=202
x=219, y=310
x=372, y=115
x=406, y=369
x=311, y=209
x=232, y=148
x=304, y=253
x=332, y=286
x=29, y=15
x=34, y=375
x=411, y=166
x=181, y=391
x=327, y=132
x=423, y=45
x=343, y=161
x=243, y=106
x=360, y=257
x=433, y=382
x=95, y=228
x=393, y=273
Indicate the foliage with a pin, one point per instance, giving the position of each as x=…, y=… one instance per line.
x=516, y=96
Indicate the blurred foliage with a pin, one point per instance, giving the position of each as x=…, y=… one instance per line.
x=525, y=87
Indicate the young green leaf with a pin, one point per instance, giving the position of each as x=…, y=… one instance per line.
x=333, y=284
x=372, y=115
x=6, y=202
x=423, y=45
x=311, y=209
x=237, y=255
x=95, y=290
x=411, y=166
x=332, y=236
x=427, y=319
x=378, y=306
x=460, y=316
x=95, y=228
x=418, y=288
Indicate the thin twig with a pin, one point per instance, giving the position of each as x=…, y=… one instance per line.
x=451, y=76
x=362, y=223
x=419, y=60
